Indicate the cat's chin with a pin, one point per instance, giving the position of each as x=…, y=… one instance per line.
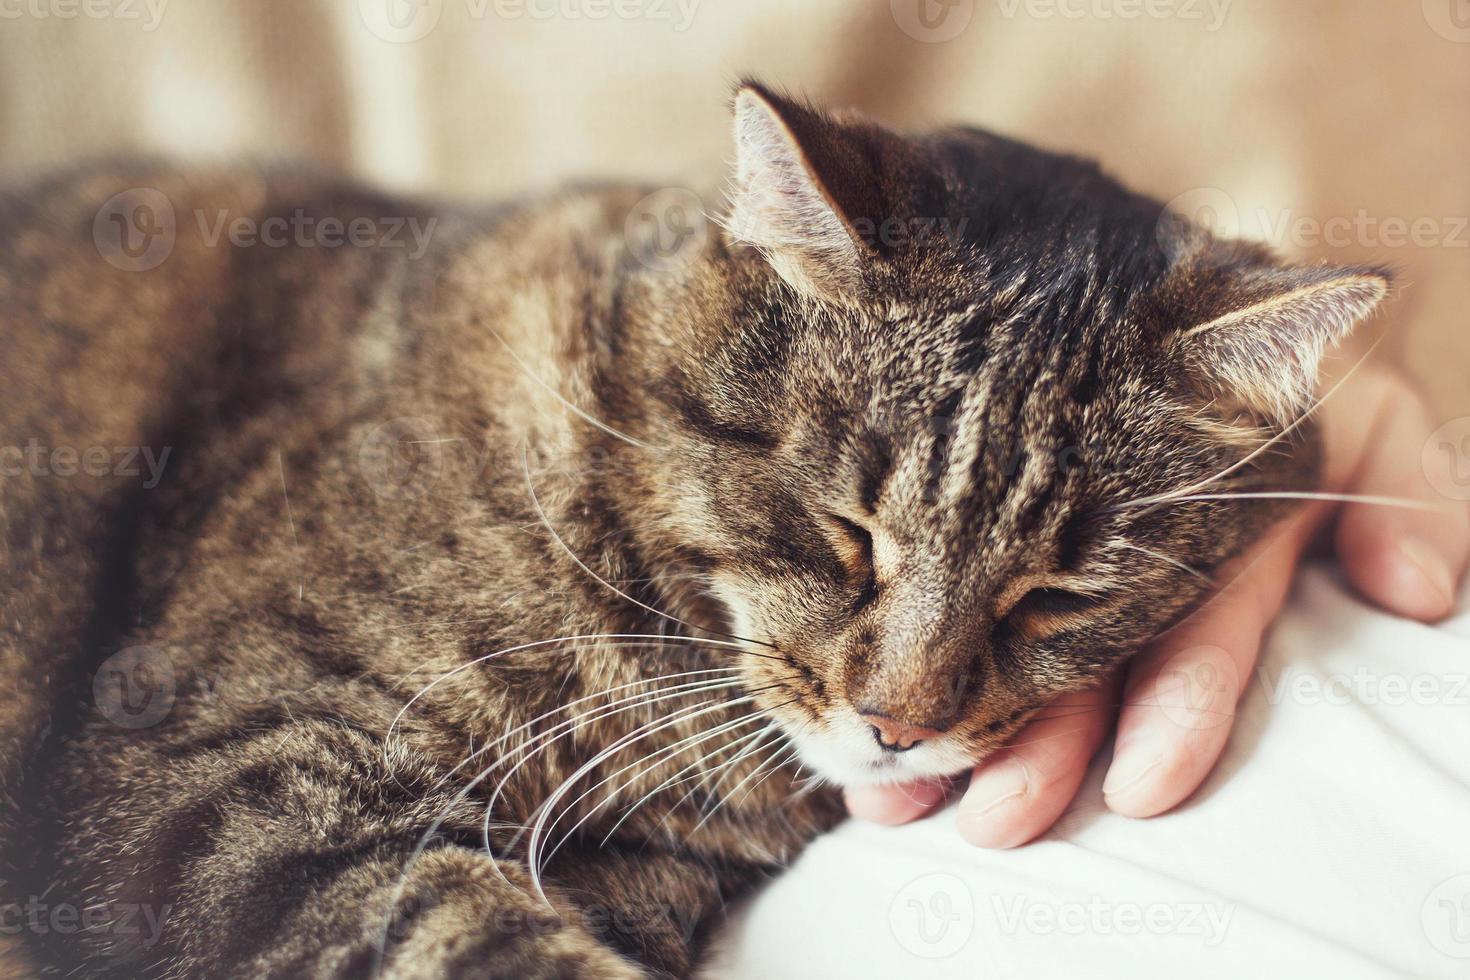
x=846, y=754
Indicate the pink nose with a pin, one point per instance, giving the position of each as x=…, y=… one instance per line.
x=897, y=735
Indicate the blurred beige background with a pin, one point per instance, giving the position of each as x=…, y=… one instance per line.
x=1336, y=129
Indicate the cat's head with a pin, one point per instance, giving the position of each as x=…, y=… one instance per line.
x=914, y=408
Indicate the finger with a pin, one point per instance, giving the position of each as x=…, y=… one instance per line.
x=1408, y=561
x=1179, y=701
x=1017, y=794
x=895, y=803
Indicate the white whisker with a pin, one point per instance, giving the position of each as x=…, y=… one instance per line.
x=586, y=416
x=1349, y=498
x=546, y=522
x=1159, y=555
x=580, y=719
x=782, y=760
x=778, y=751
x=679, y=777
x=548, y=738
x=1263, y=447
x=531, y=646
x=653, y=759
x=458, y=798
x=594, y=696
x=538, y=830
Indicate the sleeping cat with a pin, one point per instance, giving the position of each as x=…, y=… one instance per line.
x=506, y=610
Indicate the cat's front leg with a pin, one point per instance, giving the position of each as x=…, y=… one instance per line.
x=655, y=907
x=655, y=886
x=455, y=913
x=299, y=850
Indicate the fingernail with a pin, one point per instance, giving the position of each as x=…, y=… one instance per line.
x=996, y=786
x=1431, y=568
x=1133, y=759
x=985, y=819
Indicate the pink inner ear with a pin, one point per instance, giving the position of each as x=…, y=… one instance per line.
x=776, y=191
x=1266, y=354
x=780, y=206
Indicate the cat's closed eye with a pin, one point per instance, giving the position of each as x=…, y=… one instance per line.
x=854, y=543
x=1043, y=610
x=854, y=546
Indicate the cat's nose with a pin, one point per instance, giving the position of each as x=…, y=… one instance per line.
x=897, y=736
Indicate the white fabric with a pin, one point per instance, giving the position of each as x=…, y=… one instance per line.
x=1333, y=840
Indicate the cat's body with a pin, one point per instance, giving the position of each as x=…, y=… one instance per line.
x=298, y=581
x=419, y=510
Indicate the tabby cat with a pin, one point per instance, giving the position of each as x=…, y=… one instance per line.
x=505, y=607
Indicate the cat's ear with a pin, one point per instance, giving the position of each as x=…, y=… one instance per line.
x=1254, y=336
x=801, y=181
